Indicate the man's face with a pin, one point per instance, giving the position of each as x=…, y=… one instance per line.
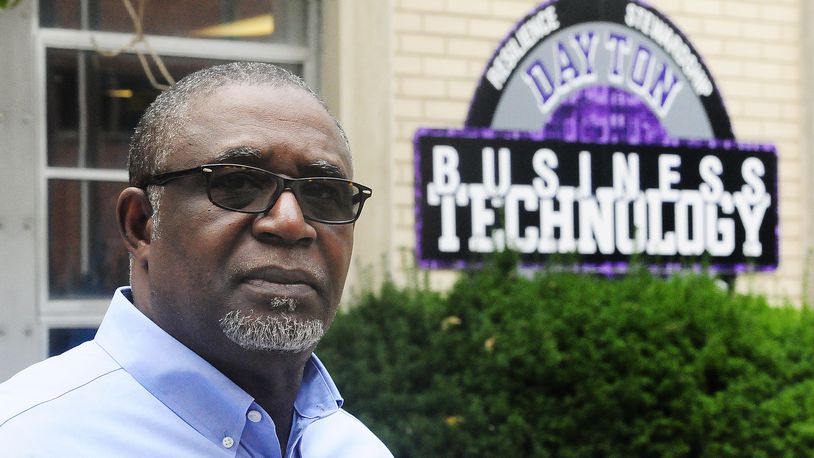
x=215, y=272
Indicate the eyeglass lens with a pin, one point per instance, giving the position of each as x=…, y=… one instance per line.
x=250, y=190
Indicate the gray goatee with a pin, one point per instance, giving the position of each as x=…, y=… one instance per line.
x=276, y=331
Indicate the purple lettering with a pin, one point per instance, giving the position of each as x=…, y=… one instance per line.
x=664, y=85
x=539, y=80
x=568, y=71
x=617, y=44
x=587, y=44
x=641, y=63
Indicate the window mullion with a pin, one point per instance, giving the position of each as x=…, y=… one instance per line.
x=175, y=46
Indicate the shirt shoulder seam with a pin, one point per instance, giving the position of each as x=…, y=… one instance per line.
x=45, y=401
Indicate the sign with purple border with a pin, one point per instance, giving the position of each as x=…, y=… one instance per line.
x=597, y=131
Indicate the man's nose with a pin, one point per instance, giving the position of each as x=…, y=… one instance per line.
x=284, y=222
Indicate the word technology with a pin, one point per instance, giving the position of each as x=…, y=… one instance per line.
x=480, y=191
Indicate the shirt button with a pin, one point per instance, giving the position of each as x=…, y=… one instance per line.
x=228, y=442
x=254, y=416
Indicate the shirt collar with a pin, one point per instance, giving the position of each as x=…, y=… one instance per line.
x=183, y=381
x=187, y=384
x=318, y=395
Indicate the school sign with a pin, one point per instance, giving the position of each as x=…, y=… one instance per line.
x=596, y=130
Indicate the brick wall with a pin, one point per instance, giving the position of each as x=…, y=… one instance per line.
x=752, y=47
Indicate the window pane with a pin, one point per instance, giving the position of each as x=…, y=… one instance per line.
x=61, y=340
x=273, y=21
x=115, y=92
x=86, y=257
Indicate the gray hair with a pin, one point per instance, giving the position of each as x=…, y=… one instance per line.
x=166, y=118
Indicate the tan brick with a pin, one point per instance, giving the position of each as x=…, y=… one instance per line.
x=747, y=129
x=781, y=52
x=468, y=7
x=790, y=33
x=791, y=111
x=445, y=25
x=407, y=129
x=515, y=10
x=406, y=65
x=409, y=22
x=781, y=91
x=791, y=71
x=442, y=280
x=709, y=46
x=405, y=217
x=400, y=197
x=402, y=146
x=469, y=47
x=759, y=70
x=760, y=30
x=742, y=10
x=692, y=26
x=734, y=107
x=421, y=44
x=789, y=164
x=742, y=48
x=703, y=7
x=461, y=89
x=762, y=108
x=407, y=108
x=723, y=67
x=489, y=28
x=454, y=111
x=781, y=130
x=781, y=13
x=420, y=5
x=728, y=28
x=418, y=86
x=790, y=289
x=440, y=66
x=476, y=69
x=738, y=87
x=405, y=173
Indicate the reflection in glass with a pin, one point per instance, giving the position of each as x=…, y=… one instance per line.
x=94, y=103
x=86, y=257
x=273, y=21
x=61, y=340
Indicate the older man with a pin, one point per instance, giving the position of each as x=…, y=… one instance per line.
x=239, y=222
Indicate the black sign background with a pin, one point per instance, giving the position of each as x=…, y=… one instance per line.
x=469, y=144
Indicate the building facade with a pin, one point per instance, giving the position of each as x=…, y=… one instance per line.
x=385, y=67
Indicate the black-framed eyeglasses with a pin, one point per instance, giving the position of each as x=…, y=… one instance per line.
x=247, y=189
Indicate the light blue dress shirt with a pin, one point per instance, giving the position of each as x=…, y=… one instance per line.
x=135, y=391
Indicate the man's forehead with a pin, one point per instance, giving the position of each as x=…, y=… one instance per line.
x=233, y=121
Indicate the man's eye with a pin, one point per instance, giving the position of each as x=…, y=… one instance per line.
x=325, y=192
x=238, y=181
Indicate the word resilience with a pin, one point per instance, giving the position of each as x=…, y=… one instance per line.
x=480, y=191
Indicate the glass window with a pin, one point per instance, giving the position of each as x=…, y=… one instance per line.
x=85, y=252
x=105, y=95
x=94, y=103
x=273, y=21
x=61, y=340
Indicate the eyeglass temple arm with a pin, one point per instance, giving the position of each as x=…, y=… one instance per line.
x=364, y=194
x=163, y=178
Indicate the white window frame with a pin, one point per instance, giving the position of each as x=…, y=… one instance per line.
x=71, y=313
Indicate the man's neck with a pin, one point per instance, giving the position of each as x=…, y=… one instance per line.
x=273, y=380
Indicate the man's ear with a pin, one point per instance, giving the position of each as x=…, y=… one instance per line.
x=134, y=216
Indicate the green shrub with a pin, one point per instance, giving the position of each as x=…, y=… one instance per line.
x=571, y=365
